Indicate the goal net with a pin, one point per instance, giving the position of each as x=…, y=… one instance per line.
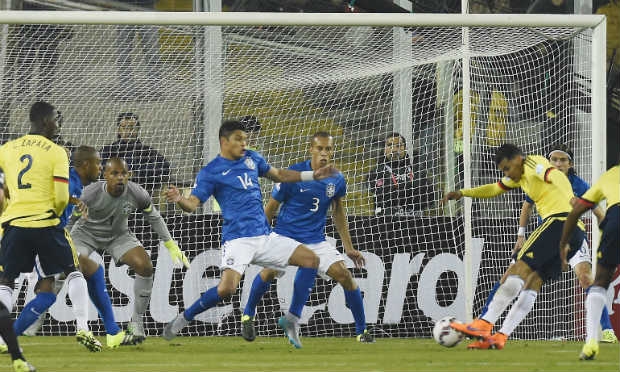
x=532, y=86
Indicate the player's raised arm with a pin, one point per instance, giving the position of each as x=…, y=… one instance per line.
x=288, y=175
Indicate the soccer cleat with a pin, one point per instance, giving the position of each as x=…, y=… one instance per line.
x=589, y=350
x=609, y=337
x=291, y=330
x=496, y=341
x=247, y=328
x=137, y=330
x=477, y=328
x=122, y=338
x=172, y=329
x=365, y=337
x=20, y=365
x=89, y=341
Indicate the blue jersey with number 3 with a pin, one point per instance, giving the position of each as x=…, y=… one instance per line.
x=234, y=184
x=305, y=205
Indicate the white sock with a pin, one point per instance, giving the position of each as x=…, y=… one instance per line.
x=504, y=295
x=6, y=296
x=142, y=288
x=595, y=301
x=519, y=311
x=78, y=294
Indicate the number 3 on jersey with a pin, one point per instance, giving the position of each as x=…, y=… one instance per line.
x=315, y=204
x=26, y=158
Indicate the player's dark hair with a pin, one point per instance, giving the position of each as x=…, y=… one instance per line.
x=127, y=116
x=83, y=154
x=507, y=151
x=564, y=148
x=229, y=126
x=38, y=112
x=320, y=134
x=251, y=123
x=395, y=135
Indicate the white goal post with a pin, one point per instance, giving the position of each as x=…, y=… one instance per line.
x=454, y=85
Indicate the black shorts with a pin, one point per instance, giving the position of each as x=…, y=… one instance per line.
x=20, y=246
x=541, y=251
x=609, y=248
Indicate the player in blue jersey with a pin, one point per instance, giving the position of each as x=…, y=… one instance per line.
x=86, y=169
x=302, y=221
x=561, y=157
x=232, y=178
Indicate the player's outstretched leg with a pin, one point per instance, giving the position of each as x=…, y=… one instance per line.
x=172, y=329
x=7, y=332
x=208, y=300
x=33, y=311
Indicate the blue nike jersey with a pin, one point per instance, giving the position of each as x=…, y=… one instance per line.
x=234, y=184
x=578, y=185
x=75, y=190
x=305, y=205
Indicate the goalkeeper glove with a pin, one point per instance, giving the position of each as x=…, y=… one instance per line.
x=176, y=254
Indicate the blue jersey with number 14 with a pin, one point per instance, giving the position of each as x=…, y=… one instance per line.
x=234, y=184
x=305, y=205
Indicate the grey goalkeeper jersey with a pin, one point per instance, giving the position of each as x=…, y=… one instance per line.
x=107, y=215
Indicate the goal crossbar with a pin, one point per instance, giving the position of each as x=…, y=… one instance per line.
x=297, y=19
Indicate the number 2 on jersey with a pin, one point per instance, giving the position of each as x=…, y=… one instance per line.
x=27, y=158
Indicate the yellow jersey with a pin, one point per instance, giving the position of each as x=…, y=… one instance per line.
x=607, y=187
x=32, y=164
x=547, y=186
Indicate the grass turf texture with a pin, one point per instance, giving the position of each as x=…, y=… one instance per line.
x=318, y=354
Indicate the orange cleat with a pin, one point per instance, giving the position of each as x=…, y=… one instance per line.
x=496, y=341
x=477, y=328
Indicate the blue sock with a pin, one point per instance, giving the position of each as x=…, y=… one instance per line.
x=485, y=308
x=30, y=313
x=304, y=281
x=259, y=287
x=99, y=296
x=605, y=322
x=208, y=300
x=356, y=304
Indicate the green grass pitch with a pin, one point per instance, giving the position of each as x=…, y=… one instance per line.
x=64, y=354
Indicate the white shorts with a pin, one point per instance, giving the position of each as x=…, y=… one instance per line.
x=582, y=255
x=328, y=255
x=238, y=254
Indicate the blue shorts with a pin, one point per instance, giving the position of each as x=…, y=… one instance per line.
x=541, y=251
x=21, y=246
x=609, y=248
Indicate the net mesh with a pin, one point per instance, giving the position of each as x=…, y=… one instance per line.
x=529, y=86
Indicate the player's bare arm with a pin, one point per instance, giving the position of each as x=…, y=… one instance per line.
x=342, y=226
x=190, y=204
x=270, y=210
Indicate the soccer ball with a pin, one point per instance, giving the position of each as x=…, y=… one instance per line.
x=444, y=335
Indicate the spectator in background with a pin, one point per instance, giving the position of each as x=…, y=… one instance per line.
x=400, y=186
x=127, y=38
x=148, y=167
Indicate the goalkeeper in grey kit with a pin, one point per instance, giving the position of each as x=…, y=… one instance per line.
x=109, y=204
